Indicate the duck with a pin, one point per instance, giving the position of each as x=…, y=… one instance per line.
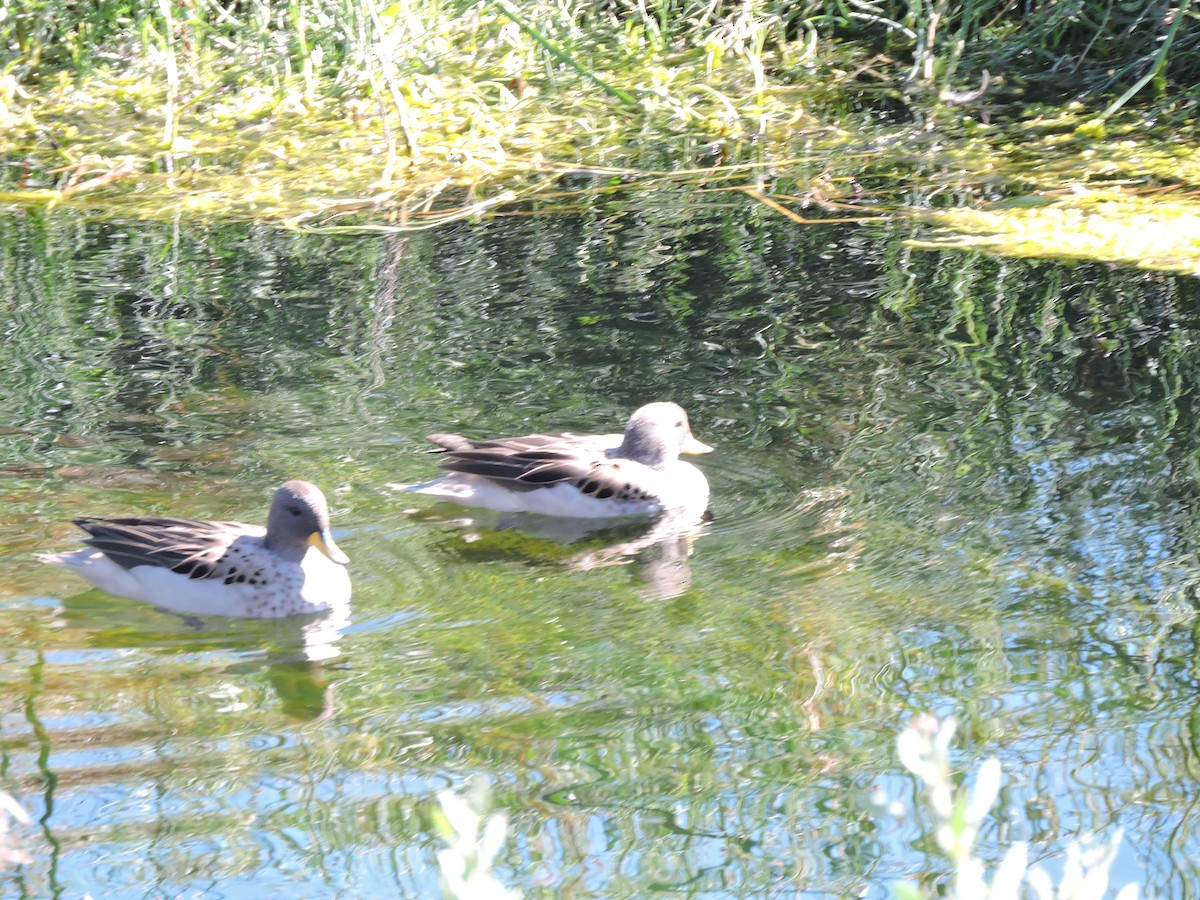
x=291, y=567
x=582, y=476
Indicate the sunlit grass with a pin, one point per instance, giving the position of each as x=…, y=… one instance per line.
x=427, y=99
x=337, y=114
x=1152, y=232
x=472, y=839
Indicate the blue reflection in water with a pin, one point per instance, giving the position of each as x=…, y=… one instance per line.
x=942, y=483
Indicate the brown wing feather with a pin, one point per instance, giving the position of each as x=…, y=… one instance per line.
x=539, y=460
x=565, y=443
x=519, y=463
x=186, y=546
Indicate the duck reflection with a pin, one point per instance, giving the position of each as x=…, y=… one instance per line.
x=294, y=651
x=659, y=550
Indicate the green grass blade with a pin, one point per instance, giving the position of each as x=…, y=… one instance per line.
x=560, y=54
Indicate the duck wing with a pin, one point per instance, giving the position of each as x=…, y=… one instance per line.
x=193, y=548
x=543, y=460
x=518, y=463
x=565, y=443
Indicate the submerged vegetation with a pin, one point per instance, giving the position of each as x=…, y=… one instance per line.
x=1146, y=231
x=323, y=113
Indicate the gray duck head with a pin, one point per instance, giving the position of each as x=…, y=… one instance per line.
x=299, y=519
x=656, y=435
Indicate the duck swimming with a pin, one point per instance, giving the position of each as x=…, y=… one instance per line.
x=575, y=475
x=291, y=567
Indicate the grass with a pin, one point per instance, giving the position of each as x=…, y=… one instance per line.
x=1152, y=232
x=464, y=102
x=335, y=113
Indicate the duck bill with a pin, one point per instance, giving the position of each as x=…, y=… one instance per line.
x=323, y=541
x=691, y=445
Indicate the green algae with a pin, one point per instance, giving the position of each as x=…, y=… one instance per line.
x=1151, y=232
x=477, y=126
x=454, y=105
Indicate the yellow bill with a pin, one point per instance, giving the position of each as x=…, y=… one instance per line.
x=323, y=541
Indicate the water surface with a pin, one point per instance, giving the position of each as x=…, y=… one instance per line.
x=943, y=483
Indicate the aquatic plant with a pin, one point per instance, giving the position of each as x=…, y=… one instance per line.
x=924, y=749
x=473, y=839
x=10, y=851
x=329, y=114
x=1152, y=232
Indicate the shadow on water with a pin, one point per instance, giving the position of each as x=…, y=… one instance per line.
x=292, y=652
x=659, y=547
x=945, y=483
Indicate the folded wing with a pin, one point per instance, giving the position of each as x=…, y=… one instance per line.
x=193, y=548
x=542, y=460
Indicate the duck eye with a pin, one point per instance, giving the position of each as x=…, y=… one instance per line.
x=295, y=511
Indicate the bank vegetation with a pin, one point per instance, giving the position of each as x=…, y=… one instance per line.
x=359, y=113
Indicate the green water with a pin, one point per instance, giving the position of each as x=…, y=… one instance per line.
x=943, y=483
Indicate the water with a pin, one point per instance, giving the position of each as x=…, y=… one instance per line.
x=946, y=484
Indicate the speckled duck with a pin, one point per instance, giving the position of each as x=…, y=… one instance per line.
x=577, y=475
x=291, y=567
